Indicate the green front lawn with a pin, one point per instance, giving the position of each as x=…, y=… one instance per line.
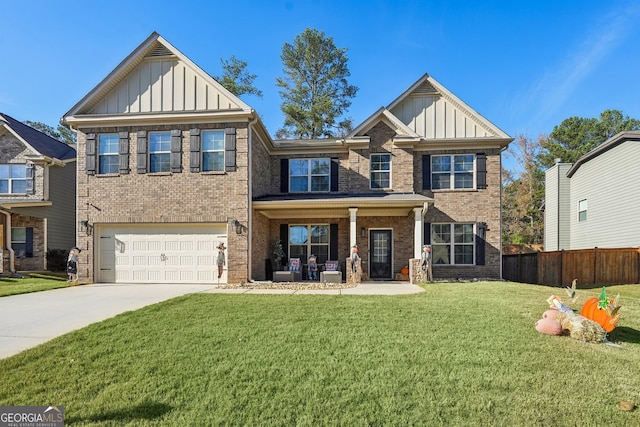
x=32, y=282
x=458, y=354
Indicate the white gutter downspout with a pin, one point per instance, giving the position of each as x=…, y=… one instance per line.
x=250, y=198
x=12, y=262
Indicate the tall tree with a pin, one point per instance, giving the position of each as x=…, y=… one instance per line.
x=576, y=136
x=62, y=133
x=314, y=89
x=236, y=79
x=523, y=220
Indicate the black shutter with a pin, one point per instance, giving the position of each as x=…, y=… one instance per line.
x=426, y=233
x=176, y=150
x=481, y=233
x=90, y=152
x=284, y=175
x=123, y=153
x=426, y=172
x=142, y=151
x=29, y=243
x=481, y=171
x=230, y=149
x=194, y=150
x=335, y=167
x=284, y=239
x=31, y=176
x=333, y=242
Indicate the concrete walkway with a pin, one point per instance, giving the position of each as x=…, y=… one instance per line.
x=31, y=319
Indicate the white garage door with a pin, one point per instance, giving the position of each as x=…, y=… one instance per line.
x=160, y=254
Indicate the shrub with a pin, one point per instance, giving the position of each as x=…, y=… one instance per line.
x=57, y=259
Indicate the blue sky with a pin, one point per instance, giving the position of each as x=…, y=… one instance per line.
x=524, y=65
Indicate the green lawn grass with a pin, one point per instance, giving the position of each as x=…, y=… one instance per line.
x=32, y=282
x=458, y=354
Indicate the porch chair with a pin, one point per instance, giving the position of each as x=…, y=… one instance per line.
x=294, y=265
x=331, y=272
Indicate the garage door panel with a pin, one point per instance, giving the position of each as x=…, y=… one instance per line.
x=161, y=254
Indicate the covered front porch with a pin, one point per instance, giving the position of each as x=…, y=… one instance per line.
x=387, y=228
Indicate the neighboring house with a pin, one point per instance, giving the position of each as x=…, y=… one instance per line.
x=37, y=195
x=171, y=165
x=594, y=202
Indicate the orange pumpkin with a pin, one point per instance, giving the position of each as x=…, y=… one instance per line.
x=591, y=311
x=549, y=326
x=404, y=270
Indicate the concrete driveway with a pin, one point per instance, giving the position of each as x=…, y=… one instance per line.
x=31, y=319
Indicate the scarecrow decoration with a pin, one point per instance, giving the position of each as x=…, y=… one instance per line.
x=221, y=261
x=597, y=317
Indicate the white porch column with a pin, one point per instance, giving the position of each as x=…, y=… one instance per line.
x=418, y=235
x=352, y=227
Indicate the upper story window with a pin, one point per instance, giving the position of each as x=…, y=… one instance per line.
x=380, y=171
x=108, y=154
x=159, y=152
x=213, y=150
x=15, y=178
x=309, y=175
x=582, y=210
x=452, y=243
x=452, y=172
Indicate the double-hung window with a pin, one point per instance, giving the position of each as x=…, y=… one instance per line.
x=309, y=175
x=452, y=172
x=380, y=171
x=13, y=178
x=213, y=150
x=22, y=241
x=452, y=244
x=582, y=210
x=108, y=155
x=159, y=152
x=307, y=240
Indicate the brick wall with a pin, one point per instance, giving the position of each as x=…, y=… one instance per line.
x=186, y=197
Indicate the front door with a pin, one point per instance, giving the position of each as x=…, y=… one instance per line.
x=380, y=263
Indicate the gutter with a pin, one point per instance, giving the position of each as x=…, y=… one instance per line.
x=12, y=255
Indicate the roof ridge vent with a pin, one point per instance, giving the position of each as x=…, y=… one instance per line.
x=159, y=51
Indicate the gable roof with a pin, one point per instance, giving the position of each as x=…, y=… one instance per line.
x=39, y=142
x=612, y=142
x=156, y=79
x=428, y=112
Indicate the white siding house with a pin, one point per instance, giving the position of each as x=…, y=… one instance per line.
x=557, y=207
x=603, y=197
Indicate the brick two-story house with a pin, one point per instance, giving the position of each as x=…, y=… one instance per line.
x=37, y=196
x=171, y=165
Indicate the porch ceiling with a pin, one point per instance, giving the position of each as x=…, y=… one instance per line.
x=338, y=207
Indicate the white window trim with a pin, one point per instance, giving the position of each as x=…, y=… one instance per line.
x=203, y=151
x=453, y=245
x=115, y=154
x=10, y=179
x=309, y=242
x=150, y=152
x=371, y=171
x=585, y=210
x=452, y=173
x=309, y=175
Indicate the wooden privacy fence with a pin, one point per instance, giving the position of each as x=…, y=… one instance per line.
x=591, y=267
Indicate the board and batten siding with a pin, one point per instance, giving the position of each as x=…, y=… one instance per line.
x=557, y=223
x=160, y=86
x=609, y=183
x=434, y=117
